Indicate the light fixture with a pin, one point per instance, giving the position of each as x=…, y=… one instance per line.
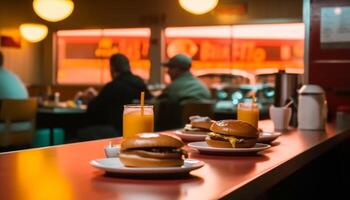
x=53, y=10
x=198, y=7
x=33, y=32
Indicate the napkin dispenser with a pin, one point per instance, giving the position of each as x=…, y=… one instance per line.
x=312, y=108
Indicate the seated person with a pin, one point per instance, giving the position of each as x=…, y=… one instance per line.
x=11, y=87
x=184, y=87
x=106, y=109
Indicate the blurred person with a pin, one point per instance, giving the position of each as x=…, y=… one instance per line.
x=84, y=97
x=105, y=110
x=184, y=86
x=11, y=87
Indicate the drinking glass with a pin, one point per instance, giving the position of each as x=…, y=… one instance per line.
x=135, y=122
x=248, y=112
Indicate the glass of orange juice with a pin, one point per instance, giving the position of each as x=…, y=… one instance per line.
x=248, y=112
x=134, y=121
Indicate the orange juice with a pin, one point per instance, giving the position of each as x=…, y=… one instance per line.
x=134, y=122
x=248, y=112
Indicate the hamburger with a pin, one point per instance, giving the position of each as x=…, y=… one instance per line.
x=232, y=134
x=198, y=125
x=152, y=150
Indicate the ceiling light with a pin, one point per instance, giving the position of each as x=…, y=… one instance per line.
x=198, y=7
x=53, y=10
x=33, y=32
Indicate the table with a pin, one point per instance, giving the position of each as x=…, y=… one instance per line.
x=66, y=118
x=63, y=172
x=61, y=110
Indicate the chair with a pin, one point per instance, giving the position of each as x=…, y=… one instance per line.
x=202, y=108
x=174, y=116
x=17, y=118
x=167, y=115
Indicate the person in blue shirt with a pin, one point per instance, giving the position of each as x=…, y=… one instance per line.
x=11, y=87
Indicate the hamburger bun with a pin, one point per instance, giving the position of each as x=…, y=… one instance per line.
x=197, y=131
x=201, y=122
x=246, y=143
x=151, y=150
x=131, y=160
x=235, y=128
x=160, y=155
x=148, y=140
x=202, y=125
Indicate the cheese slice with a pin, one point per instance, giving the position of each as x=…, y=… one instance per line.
x=232, y=140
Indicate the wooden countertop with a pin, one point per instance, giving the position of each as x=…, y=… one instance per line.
x=63, y=172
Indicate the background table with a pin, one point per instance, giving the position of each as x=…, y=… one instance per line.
x=69, y=119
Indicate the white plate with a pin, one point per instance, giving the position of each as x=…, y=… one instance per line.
x=114, y=165
x=266, y=137
x=190, y=136
x=203, y=147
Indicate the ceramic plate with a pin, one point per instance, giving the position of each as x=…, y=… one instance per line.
x=204, y=148
x=114, y=165
x=191, y=137
x=267, y=137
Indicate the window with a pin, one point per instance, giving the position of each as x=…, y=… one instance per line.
x=243, y=51
x=83, y=55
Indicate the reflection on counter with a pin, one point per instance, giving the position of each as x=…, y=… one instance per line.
x=39, y=177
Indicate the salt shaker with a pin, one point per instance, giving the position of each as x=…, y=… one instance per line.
x=57, y=98
x=343, y=118
x=112, y=151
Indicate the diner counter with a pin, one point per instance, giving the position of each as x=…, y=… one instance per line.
x=64, y=172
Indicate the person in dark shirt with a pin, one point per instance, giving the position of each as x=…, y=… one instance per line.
x=106, y=109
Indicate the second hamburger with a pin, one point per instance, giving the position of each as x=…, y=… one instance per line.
x=232, y=134
x=198, y=125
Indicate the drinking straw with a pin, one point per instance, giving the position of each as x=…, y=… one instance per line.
x=142, y=102
x=288, y=104
x=253, y=100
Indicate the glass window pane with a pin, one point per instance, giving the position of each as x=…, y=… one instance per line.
x=82, y=55
x=208, y=46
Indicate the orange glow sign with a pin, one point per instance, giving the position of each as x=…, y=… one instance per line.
x=251, y=48
x=83, y=54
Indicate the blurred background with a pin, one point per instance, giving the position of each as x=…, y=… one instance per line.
x=240, y=48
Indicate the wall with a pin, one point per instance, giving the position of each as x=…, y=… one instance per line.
x=328, y=67
x=137, y=13
x=24, y=61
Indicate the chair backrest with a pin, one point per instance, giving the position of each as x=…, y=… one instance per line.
x=12, y=111
x=167, y=115
x=18, y=110
x=203, y=108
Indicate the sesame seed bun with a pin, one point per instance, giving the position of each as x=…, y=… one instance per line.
x=202, y=125
x=133, y=160
x=148, y=140
x=246, y=143
x=235, y=128
x=151, y=150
